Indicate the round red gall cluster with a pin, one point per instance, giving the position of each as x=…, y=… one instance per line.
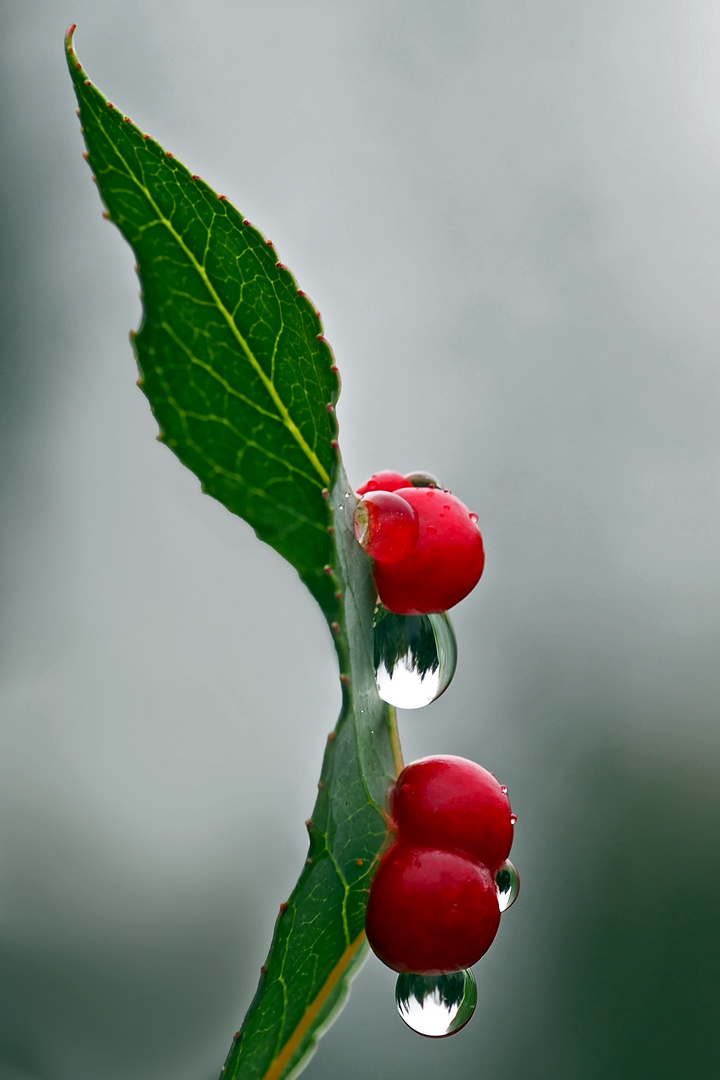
x=433, y=905
x=451, y=802
x=386, y=480
x=426, y=559
x=431, y=911
x=386, y=526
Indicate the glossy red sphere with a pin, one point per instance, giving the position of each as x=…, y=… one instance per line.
x=452, y=803
x=444, y=565
x=386, y=526
x=431, y=912
x=386, y=480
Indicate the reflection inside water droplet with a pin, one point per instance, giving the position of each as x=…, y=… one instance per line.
x=507, y=883
x=436, y=1005
x=415, y=657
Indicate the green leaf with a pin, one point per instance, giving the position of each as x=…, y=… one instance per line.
x=239, y=377
x=319, y=938
x=231, y=355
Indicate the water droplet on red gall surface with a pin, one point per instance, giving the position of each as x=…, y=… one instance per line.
x=415, y=657
x=507, y=883
x=436, y=1005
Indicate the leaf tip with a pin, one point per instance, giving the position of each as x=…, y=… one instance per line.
x=69, y=47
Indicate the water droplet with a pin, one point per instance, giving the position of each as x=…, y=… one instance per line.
x=436, y=1005
x=507, y=883
x=422, y=479
x=503, y=788
x=415, y=657
x=513, y=819
x=474, y=517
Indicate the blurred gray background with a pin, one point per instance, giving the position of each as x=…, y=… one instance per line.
x=509, y=215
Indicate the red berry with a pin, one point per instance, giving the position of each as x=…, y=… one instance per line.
x=386, y=526
x=444, y=565
x=431, y=912
x=452, y=803
x=383, y=481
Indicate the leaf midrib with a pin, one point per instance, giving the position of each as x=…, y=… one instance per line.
x=285, y=416
x=282, y=1058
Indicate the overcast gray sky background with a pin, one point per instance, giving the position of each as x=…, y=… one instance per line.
x=509, y=216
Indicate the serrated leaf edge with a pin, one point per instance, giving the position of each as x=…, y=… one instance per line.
x=270, y=388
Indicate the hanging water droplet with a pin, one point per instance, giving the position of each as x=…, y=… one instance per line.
x=503, y=788
x=436, y=1005
x=513, y=819
x=473, y=517
x=507, y=883
x=415, y=657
